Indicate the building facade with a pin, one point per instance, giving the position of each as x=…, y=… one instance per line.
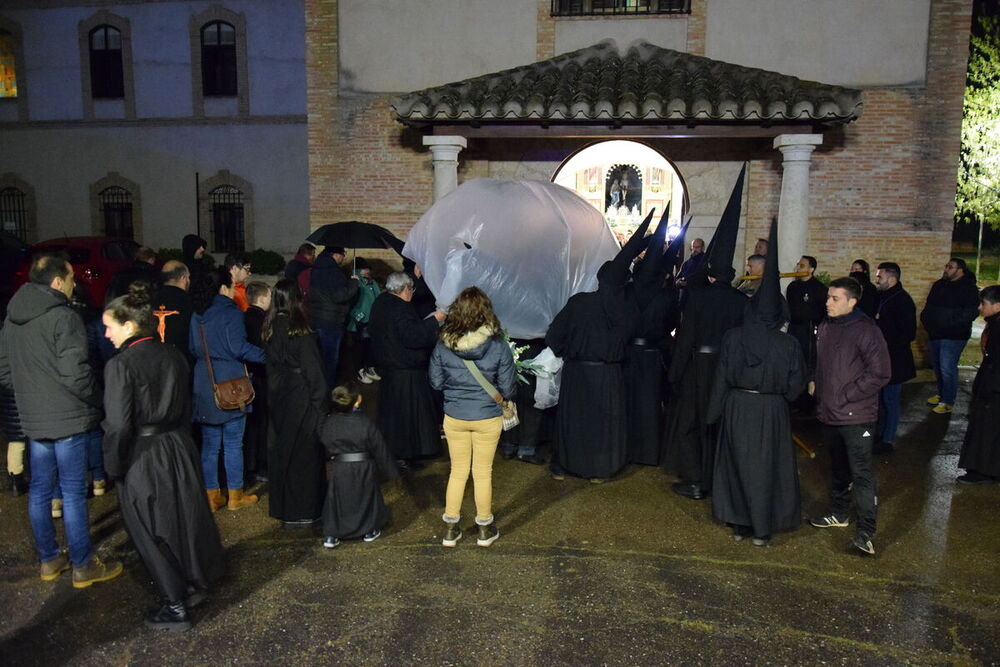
x=154, y=119
x=880, y=187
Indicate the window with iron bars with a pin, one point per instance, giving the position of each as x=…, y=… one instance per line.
x=116, y=211
x=13, y=214
x=227, y=219
x=619, y=7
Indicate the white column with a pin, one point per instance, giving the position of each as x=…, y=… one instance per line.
x=793, y=208
x=444, y=157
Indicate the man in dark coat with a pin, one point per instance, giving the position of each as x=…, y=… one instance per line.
x=402, y=344
x=714, y=306
x=590, y=333
x=852, y=365
x=981, y=449
x=947, y=316
x=330, y=296
x=43, y=359
x=688, y=270
x=142, y=269
x=806, y=298
x=755, y=486
x=302, y=261
x=896, y=317
x=172, y=307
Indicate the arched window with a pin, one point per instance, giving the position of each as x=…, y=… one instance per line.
x=218, y=59
x=228, y=222
x=8, y=65
x=14, y=213
x=116, y=211
x=107, y=75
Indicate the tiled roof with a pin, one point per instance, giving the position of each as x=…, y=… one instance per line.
x=646, y=83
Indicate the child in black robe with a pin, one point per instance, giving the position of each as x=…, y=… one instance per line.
x=354, y=506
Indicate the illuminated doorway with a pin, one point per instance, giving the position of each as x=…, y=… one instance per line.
x=624, y=180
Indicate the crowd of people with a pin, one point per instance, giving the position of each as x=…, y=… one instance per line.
x=670, y=366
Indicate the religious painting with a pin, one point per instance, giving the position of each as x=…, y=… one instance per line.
x=623, y=187
x=656, y=179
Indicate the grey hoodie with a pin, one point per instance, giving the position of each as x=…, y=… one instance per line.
x=43, y=358
x=464, y=398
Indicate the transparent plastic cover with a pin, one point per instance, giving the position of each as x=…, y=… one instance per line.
x=529, y=245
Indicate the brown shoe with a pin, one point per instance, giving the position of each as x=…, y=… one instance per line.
x=51, y=570
x=95, y=571
x=216, y=501
x=238, y=500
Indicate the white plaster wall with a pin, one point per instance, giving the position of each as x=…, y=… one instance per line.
x=573, y=34
x=61, y=164
x=161, y=50
x=402, y=45
x=857, y=43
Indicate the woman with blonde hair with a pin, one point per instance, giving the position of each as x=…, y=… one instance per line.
x=471, y=344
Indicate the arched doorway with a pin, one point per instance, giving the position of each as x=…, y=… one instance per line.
x=624, y=180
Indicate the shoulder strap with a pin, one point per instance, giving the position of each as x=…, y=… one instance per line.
x=208, y=358
x=483, y=382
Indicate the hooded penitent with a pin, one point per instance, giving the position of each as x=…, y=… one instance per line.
x=190, y=245
x=767, y=310
x=648, y=274
x=719, y=263
x=613, y=275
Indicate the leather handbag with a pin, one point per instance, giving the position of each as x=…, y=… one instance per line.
x=508, y=408
x=234, y=394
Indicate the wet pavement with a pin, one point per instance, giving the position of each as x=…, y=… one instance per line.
x=619, y=573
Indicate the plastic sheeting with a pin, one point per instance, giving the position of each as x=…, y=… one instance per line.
x=529, y=245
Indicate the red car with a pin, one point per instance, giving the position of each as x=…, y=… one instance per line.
x=95, y=260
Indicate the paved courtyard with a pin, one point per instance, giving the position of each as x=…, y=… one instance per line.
x=620, y=573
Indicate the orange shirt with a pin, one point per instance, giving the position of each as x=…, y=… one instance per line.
x=240, y=296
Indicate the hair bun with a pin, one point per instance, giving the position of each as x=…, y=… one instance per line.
x=343, y=396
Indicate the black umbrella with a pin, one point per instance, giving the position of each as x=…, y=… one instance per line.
x=353, y=234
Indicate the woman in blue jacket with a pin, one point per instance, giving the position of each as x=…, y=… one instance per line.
x=225, y=334
x=472, y=417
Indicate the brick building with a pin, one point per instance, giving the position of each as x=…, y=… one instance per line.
x=881, y=185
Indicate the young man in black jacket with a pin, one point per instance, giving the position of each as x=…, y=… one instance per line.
x=951, y=307
x=896, y=317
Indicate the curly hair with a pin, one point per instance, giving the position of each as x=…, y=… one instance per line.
x=470, y=311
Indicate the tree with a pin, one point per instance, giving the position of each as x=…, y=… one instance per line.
x=978, y=194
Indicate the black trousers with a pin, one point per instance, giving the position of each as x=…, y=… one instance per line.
x=853, y=472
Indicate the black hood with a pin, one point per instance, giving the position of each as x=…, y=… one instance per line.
x=722, y=249
x=32, y=301
x=190, y=245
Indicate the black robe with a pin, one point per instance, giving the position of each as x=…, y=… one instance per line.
x=646, y=356
x=688, y=443
x=256, y=434
x=161, y=491
x=535, y=425
x=981, y=448
x=295, y=382
x=807, y=307
x=176, y=326
x=590, y=333
x=354, y=504
x=756, y=480
x=408, y=410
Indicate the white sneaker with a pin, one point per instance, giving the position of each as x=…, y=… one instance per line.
x=363, y=377
x=372, y=374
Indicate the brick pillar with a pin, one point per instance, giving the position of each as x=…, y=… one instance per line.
x=444, y=157
x=793, y=207
x=696, y=28
x=545, y=31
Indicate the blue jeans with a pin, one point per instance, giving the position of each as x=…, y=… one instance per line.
x=329, y=346
x=510, y=448
x=944, y=356
x=890, y=411
x=230, y=437
x=61, y=462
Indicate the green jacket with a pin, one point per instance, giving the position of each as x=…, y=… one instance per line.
x=368, y=289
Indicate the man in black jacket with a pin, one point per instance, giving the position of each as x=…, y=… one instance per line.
x=951, y=307
x=896, y=317
x=806, y=298
x=172, y=307
x=330, y=297
x=43, y=358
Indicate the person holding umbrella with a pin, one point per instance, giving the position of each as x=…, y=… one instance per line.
x=330, y=297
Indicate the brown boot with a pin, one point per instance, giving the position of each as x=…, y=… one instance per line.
x=216, y=501
x=94, y=571
x=238, y=500
x=51, y=570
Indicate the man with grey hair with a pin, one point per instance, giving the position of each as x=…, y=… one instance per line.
x=402, y=343
x=754, y=267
